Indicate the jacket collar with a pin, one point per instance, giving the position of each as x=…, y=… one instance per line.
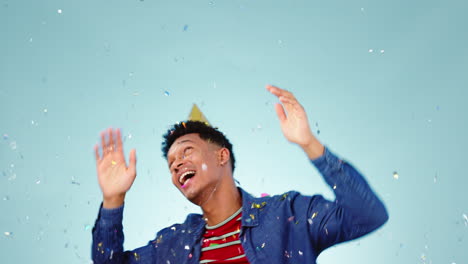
x=249, y=213
x=249, y=209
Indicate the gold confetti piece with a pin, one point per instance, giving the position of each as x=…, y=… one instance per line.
x=252, y=216
x=258, y=206
x=284, y=197
x=183, y=123
x=314, y=215
x=137, y=257
x=395, y=175
x=114, y=163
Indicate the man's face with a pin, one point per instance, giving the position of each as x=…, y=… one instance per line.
x=194, y=166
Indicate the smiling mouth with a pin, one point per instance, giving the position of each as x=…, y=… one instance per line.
x=185, y=177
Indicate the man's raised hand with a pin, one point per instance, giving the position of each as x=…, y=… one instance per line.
x=114, y=176
x=294, y=123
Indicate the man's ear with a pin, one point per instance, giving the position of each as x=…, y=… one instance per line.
x=223, y=156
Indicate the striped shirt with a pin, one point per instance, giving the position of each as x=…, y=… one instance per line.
x=221, y=243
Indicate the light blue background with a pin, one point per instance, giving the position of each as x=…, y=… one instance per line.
x=64, y=77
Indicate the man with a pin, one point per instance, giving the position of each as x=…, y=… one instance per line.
x=235, y=227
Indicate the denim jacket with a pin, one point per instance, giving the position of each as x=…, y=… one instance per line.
x=286, y=228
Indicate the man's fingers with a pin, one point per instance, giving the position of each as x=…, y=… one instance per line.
x=103, y=143
x=289, y=104
x=280, y=92
x=119, y=141
x=132, y=161
x=280, y=112
x=111, y=140
x=96, y=152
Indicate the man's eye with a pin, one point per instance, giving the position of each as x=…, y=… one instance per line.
x=188, y=150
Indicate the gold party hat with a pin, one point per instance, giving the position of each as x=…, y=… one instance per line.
x=197, y=115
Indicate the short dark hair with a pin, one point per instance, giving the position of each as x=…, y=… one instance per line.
x=205, y=132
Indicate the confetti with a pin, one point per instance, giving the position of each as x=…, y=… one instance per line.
x=334, y=187
x=75, y=183
x=291, y=218
x=137, y=257
x=465, y=218
x=314, y=215
x=264, y=195
x=258, y=206
x=204, y=167
x=300, y=253
x=371, y=50
x=113, y=162
x=187, y=247
x=395, y=175
x=252, y=216
x=382, y=51
x=8, y=234
x=12, y=177
x=13, y=145
x=166, y=93
x=283, y=197
x=185, y=27
x=38, y=181
x=5, y=136
x=59, y=11
x=87, y=227
x=45, y=110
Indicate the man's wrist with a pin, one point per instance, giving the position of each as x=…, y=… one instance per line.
x=314, y=149
x=113, y=202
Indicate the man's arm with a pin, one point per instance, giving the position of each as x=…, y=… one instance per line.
x=356, y=210
x=108, y=241
x=115, y=179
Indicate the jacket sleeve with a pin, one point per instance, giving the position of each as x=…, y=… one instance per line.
x=355, y=212
x=108, y=238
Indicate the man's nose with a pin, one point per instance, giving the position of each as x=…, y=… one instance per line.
x=178, y=163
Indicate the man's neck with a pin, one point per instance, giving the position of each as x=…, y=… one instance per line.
x=224, y=203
